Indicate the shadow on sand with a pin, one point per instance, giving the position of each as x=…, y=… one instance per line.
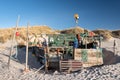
x=32, y=61
x=109, y=57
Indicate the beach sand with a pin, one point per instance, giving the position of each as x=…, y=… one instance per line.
x=109, y=71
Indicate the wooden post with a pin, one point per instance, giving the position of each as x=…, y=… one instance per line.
x=100, y=39
x=26, y=65
x=9, y=57
x=114, y=46
x=85, y=42
x=16, y=37
x=60, y=65
x=13, y=38
x=46, y=60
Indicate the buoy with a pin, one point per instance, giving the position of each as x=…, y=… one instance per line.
x=17, y=34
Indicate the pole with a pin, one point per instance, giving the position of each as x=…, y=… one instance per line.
x=76, y=21
x=46, y=60
x=9, y=57
x=76, y=16
x=11, y=50
x=16, y=38
x=85, y=36
x=26, y=65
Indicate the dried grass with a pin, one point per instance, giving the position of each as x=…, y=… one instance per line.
x=7, y=34
x=106, y=33
x=74, y=30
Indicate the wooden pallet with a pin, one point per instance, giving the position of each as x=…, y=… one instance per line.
x=70, y=65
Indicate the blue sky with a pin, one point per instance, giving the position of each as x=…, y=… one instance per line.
x=59, y=14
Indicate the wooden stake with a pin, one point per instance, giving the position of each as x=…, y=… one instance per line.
x=13, y=38
x=46, y=60
x=9, y=57
x=26, y=65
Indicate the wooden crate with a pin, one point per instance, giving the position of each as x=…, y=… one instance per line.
x=92, y=57
x=70, y=65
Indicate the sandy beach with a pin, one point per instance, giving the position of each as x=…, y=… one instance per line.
x=109, y=71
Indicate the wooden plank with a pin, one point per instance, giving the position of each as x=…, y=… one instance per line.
x=70, y=65
x=94, y=57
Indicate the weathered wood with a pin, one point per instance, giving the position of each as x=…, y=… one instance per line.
x=13, y=39
x=70, y=65
x=93, y=57
x=55, y=55
x=26, y=65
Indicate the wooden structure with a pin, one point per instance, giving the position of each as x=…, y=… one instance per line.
x=61, y=54
x=70, y=65
x=89, y=57
x=55, y=54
